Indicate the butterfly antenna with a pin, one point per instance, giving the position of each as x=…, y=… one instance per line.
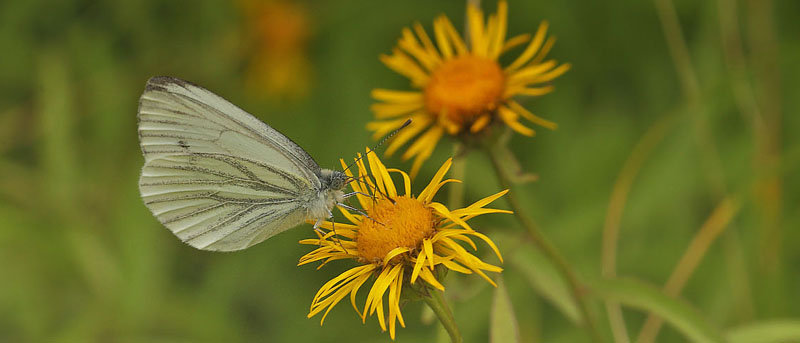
x=375, y=188
x=360, y=157
x=380, y=143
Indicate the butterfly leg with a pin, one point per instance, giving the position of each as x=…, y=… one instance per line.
x=354, y=193
x=323, y=233
x=333, y=228
x=336, y=235
x=370, y=185
x=351, y=208
x=316, y=227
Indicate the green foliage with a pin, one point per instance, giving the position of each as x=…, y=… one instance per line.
x=544, y=279
x=766, y=332
x=645, y=297
x=503, y=322
x=82, y=259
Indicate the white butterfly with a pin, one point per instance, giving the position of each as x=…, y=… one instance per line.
x=219, y=178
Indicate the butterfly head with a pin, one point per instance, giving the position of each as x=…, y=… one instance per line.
x=333, y=179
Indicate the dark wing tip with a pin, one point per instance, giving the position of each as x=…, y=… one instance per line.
x=160, y=82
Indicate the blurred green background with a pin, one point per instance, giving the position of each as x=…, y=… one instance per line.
x=82, y=259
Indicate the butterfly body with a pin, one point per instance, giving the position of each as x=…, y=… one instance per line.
x=328, y=196
x=219, y=178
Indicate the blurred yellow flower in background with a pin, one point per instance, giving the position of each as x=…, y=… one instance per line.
x=462, y=86
x=403, y=238
x=279, y=31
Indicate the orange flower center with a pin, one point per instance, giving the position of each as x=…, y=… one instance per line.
x=404, y=223
x=464, y=87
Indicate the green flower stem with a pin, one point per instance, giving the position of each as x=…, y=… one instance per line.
x=547, y=248
x=436, y=302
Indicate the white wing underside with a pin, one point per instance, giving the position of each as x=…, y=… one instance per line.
x=217, y=177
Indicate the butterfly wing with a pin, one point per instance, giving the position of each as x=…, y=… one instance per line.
x=216, y=176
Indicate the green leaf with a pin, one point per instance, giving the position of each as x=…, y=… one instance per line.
x=502, y=322
x=57, y=129
x=546, y=280
x=441, y=335
x=427, y=317
x=774, y=331
x=680, y=315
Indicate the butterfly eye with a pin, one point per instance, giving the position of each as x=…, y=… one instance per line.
x=338, y=180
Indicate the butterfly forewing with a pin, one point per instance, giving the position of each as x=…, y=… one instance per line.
x=216, y=176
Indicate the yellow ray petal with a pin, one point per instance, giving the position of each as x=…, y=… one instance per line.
x=399, y=282
x=444, y=212
x=455, y=38
x=488, y=200
x=433, y=191
x=382, y=177
x=382, y=128
x=334, y=299
x=418, y=124
x=394, y=304
x=510, y=118
x=515, y=42
x=391, y=110
x=392, y=312
x=423, y=148
x=465, y=239
x=528, y=53
x=422, y=143
x=489, y=242
x=471, y=261
x=404, y=65
x=544, y=50
x=531, y=117
x=426, y=42
x=398, y=97
x=525, y=75
x=364, y=177
x=472, y=213
x=426, y=275
x=440, y=33
x=353, y=219
x=428, y=248
x=552, y=74
x=356, y=286
x=420, y=261
x=476, y=30
x=355, y=184
x=480, y=123
x=457, y=267
x=499, y=37
x=490, y=35
x=395, y=252
x=380, y=286
x=529, y=91
x=427, y=194
x=409, y=43
x=379, y=307
x=374, y=296
x=406, y=180
x=340, y=280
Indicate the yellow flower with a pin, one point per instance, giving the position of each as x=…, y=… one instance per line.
x=462, y=87
x=280, y=31
x=404, y=237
